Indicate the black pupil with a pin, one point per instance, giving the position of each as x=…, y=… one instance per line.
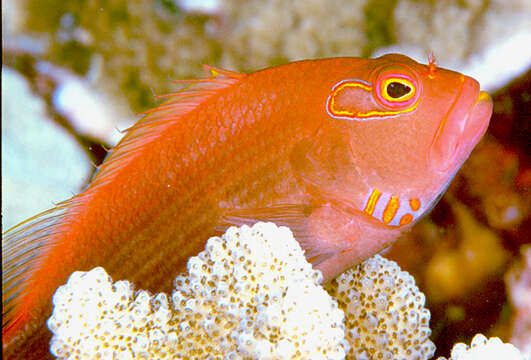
x=397, y=90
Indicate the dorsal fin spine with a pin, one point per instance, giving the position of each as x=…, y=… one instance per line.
x=161, y=117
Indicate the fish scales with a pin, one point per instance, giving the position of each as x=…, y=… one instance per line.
x=303, y=144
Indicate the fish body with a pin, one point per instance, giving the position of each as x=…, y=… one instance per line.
x=347, y=152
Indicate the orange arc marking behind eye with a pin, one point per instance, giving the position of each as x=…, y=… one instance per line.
x=371, y=203
x=361, y=85
x=414, y=204
x=336, y=113
x=390, y=210
x=384, y=114
x=338, y=88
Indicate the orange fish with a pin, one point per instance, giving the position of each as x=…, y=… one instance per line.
x=347, y=152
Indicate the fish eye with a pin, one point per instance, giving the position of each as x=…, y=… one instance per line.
x=396, y=89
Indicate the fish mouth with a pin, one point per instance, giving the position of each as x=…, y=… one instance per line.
x=462, y=127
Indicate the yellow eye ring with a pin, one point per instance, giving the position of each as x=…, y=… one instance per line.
x=396, y=89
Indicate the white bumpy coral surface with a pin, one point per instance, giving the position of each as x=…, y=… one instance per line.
x=384, y=309
x=483, y=349
x=250, y=295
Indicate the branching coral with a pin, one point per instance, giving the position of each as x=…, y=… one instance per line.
x=250, y=294
x=483, y=349
x=385, y=314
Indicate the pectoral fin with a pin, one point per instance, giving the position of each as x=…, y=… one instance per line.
x=295, y=216
x=325, y=165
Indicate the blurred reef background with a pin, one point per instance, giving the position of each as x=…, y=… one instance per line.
x=74, y=73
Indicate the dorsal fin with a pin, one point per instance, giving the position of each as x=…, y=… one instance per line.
x=156, y=120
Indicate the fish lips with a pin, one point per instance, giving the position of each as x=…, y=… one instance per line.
x=462, y=127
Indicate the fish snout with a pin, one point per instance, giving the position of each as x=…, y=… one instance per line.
x=462, y=126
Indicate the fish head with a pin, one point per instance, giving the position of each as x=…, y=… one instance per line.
x=410, y=127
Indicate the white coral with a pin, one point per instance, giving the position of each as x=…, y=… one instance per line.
x=384, y=309
x=483, y=349
x=250, y=294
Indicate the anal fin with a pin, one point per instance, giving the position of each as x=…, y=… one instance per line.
x=290, y=215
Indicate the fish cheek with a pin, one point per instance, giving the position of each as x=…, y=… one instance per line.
x=324, y=164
